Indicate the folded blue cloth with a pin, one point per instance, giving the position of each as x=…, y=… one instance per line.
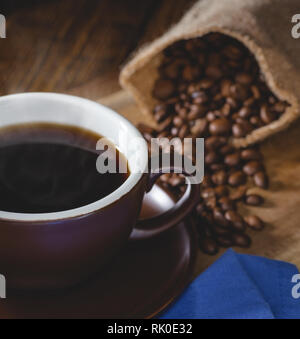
x=240, y=287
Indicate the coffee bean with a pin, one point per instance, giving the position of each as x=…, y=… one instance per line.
x=219, y=178
x=208, y=193
x=208, y=219
x=234, y=65
x=239, y=92
x=244, y=78
x=241, y=240
x=251, y=154
x=237, y=178
x=238, y=193
x=183, y=113
x=227, y=204
x=196, y=112
x=211, y=203
x=241, y=128
x=280, y=107
x=172, y=71
x=266, y=115
x=206, y=182
x=190, y=45
x=211, y=158
x=199, y=128
x=221, y=191
x=227, y=149
x=178, y=122
x=214, y=142
x=245, y=112
x=226, y=110
x=211, y=87
x=213, y=72
x=232, y=160
x=232, y=103
x=238, y=131
x=254, y=222
x=206, y=83
x=221, y=231
x=252, y=168
x=214, y=58
x=163, y=89
x=224, y=241
x=217, y=100
x=220, y=219
x=182, y=87
x=192, y=87
x=178, y=106
x=249, y=102
x=190, y=73
x=240, y=120
x=211, y=116
x=220, y=127
x=183, y=132
x=232, y=52
x=247, y=64
x=219, y=114
x=254, y=200
x=256, y=121
x=201, y=58
x=256, y=93
x=174, y=131
x=183, y=97
x=272, y=100
x=209, y=246
x=199, y=97
x=225, y=87
x=236, y=220
x=217, y=167
x=261, y=180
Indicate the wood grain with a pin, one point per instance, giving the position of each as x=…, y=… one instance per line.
x=77, y=46
x=281, y=238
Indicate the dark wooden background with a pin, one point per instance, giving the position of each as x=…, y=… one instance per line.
x=77, y=46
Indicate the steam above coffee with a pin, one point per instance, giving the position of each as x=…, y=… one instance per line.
x=48, y=168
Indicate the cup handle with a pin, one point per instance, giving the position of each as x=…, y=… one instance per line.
x=148, y=228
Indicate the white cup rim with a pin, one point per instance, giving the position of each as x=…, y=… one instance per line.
x=35, y=98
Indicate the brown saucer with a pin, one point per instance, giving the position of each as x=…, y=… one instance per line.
x=142, y=281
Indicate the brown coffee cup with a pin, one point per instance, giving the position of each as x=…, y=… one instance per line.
x=57, y=250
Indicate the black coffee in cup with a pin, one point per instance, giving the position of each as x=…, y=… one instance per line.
x=48, y=168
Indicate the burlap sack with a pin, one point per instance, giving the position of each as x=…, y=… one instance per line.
x=264, y=26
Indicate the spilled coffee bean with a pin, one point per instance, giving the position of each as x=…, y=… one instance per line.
x=254, y=222
x=261, y=180
x=212, y=88
x=254, y=200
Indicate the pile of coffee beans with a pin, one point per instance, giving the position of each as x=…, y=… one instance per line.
x=212, y=88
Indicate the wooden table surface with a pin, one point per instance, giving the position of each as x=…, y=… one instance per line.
x=77, y=46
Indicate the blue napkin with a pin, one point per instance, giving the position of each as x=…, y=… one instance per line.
x=240, y=287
